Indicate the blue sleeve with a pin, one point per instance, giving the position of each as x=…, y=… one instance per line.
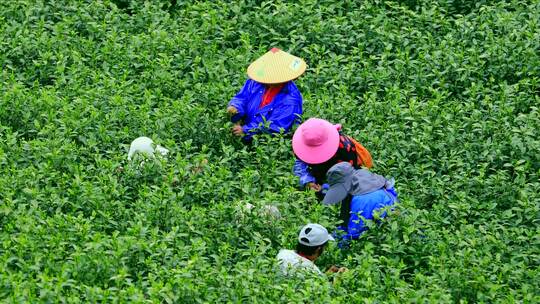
x=252, y=128
x=281, y=117
x=300, y=169
x=240, y=100
x=355, y=227
x=359, y=212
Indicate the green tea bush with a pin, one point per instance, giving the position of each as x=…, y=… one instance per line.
x=444, y=94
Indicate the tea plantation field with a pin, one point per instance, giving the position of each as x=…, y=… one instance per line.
x=444, y=93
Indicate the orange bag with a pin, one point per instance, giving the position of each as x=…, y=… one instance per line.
x=364, y=158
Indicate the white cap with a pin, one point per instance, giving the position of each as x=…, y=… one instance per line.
x=145, y=145
x=314, y=235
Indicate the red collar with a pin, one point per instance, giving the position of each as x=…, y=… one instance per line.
x=269, y=94
x=303, y=255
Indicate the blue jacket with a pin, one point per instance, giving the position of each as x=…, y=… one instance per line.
x=301, y=169
x=363, y=207
x=284, y=111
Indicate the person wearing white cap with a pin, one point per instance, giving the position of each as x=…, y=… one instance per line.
x=361, y=194
x=311, y=243
x=146, y=146
x=269, y=96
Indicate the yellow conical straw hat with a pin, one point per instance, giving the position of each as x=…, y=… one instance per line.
x=276, y=66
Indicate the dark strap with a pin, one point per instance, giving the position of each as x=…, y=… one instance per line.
x=345, y=212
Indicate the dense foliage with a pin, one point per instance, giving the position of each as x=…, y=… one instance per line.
x=444, y=93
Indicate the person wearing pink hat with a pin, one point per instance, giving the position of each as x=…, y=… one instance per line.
x=318, y=145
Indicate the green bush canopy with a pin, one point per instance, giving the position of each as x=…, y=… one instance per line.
x=444, y=94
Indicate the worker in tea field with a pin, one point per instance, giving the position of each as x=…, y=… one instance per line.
x=312, y=240
x=318, y=145
x=361, y=193
x=269, y=101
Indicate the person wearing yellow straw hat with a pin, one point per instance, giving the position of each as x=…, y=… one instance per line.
x=269, y=96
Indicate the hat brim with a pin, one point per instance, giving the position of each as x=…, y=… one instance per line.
x=276, y=66
x=329, y=237
x=316, y=154
x=338, y=192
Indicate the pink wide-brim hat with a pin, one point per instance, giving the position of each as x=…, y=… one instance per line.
x=316, y=141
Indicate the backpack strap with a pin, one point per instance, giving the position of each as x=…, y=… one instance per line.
x=364, y=157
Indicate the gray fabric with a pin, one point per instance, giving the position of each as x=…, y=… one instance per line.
x=339, y=179
x=364, y=182
x=339, y=173
x=344, y=179
x=335, y=194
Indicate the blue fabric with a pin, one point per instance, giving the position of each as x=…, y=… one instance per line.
x=365, y=205
x=300, y=169
x=284, y=111
x=325, y=188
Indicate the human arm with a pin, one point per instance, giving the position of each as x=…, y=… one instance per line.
x=237, y=130
x=237, y=105
x=301, y=170
x=355, y=227
x=335, y=269
x=232, y=110
x=359, y=211
x=281, y=117
x=344, y=235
